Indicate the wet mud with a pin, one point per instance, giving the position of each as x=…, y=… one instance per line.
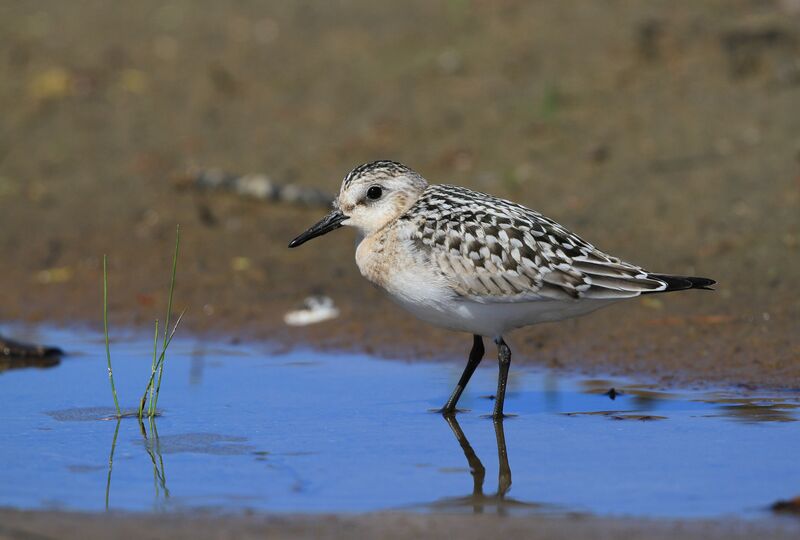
x=22, y=525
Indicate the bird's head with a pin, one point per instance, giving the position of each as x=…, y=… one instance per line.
x=372, y=195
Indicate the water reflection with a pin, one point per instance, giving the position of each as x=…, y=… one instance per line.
x=7, y=362
x=642, y=395
x=644, y=398
x=754, y=409
x=111, y=460
x=152, y=446
x=477, y=501
x=197, y=366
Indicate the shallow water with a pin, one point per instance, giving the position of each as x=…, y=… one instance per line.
x=245, y=427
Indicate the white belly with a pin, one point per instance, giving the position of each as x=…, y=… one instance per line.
x=429, y=299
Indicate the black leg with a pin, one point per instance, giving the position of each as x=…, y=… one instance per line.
x=475, y=357
x=504, y=359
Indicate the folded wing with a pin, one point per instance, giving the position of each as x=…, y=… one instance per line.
x=492, y=250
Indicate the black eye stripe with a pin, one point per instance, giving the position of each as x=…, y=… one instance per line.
x=374, y=193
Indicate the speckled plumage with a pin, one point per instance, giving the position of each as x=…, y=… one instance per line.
x=494, y=250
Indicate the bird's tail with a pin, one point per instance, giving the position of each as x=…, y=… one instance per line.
x=680, y=283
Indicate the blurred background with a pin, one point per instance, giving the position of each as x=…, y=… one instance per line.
x=665, y=132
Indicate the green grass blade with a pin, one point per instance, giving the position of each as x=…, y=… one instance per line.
x=163, y=353
x=160, y=365
x=105, y=331
x=172, y=281
x=149, y=386
x=155, y=358
x=154, y=400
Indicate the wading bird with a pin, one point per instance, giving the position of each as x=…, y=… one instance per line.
x=471, y=262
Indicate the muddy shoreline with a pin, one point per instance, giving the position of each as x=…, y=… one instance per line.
x=25, y=525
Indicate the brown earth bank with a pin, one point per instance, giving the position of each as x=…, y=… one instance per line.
x=664, y=132
x=43, y=525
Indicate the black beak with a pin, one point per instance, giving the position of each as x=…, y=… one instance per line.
x=327, y=224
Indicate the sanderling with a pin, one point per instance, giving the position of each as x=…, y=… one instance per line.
x=471, y=262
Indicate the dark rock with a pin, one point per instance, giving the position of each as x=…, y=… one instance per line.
x=16, y=349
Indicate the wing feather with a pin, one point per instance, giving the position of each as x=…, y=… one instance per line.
x=493, y=250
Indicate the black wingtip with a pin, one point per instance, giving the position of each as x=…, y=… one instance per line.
x=702, y=283
x=681, y=283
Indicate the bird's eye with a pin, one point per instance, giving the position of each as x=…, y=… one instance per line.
x=374, y=193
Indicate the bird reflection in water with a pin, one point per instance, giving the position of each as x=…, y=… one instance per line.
x=479, y=502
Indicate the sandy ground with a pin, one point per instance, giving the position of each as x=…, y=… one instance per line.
x=40, y=526
x=664, y=132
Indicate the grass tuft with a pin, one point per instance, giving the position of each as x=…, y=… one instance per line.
x=149, y=401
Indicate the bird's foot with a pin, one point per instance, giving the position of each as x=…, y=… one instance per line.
x=501, y=416
x=444, y=411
